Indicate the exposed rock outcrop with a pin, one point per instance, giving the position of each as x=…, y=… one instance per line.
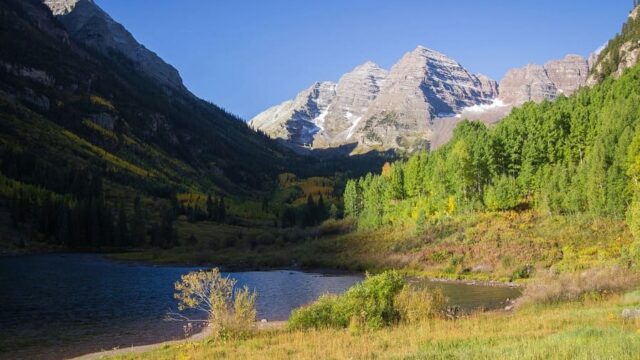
x=355, y=92
x=300, y=119
x=537, y=83
x=87, y=23
x=381, y=110
x=621, y=53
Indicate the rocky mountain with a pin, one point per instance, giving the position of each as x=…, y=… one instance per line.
x=376, y=109
x=537, y=82
x=298, y=119
x=88, y=24
x=355, y=92
x=325, y=114
x=414, y=105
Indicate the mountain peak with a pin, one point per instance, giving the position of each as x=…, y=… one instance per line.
x=381, y=109
x=368, y=65
x=63, y=7
x=425, y=51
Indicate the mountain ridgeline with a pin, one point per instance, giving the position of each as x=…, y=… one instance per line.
x=95, y=126
x=413, y=106
x=576, y=155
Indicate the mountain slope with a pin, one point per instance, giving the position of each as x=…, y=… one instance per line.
x=325, y=114
x=104, y=100
x=376, y=109
x=422, y=86
x=537, y=83
x=88, y=24
x=620, y=53
x=415, y=105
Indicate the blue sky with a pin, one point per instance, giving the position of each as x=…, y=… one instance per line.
x=247, y=55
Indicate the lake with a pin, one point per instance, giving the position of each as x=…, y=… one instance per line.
x=62, y=305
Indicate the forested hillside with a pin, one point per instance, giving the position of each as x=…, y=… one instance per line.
x=621, y=52
x=93, y=153
x=577, y=155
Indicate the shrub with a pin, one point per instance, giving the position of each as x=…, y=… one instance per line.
x=456, y=259
x=552, y=288
x=231, y=311
x=334, y=227
x=322, y=313
x=421, y=222
x=522, y=272
x=370, y=303
x=503, y=194
x=237, y=319
x=415, y=305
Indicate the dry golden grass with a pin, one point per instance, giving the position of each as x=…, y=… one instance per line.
x=550, y=288
x=566, y=331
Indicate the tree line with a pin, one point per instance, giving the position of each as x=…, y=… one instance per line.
x=575, y=155
x=85, y=220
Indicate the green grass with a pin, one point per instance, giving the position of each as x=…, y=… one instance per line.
x=577, y=330
x=486, y=246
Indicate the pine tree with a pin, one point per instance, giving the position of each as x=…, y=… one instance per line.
x=211, y=209
x=122, y=229
x=309, y=218
x=63, y=226
x=351, y=199
x=138, y=224
x=321, y=211
x=222, y=210
x=333, y=211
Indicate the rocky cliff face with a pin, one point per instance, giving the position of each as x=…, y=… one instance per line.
x=381, y=110
x=87, y=23
x=423, y=85
x=355, y=92
x=537, y=83
x=325, y=114
x=300, y=119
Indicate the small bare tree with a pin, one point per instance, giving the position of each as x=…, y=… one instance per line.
x=230, y=311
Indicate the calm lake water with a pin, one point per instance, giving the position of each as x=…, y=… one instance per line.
x=57, y=306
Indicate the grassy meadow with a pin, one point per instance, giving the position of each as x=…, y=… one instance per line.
x=587, y=329
x=503, y=246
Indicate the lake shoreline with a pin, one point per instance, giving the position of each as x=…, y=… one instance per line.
x=327, y=270
x=229, y=268
x=123, y=304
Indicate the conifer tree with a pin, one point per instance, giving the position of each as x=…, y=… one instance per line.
x=138, y=224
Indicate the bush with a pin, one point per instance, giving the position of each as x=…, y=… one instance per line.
x=334, y=227
x=552, y=288
x=370, y=303
x=322, y=313
x=415, y=305
x=504, y=194
x=236, y=319
x=522, y=272
x=231, y=312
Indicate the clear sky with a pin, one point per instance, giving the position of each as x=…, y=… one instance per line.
x=247, y=55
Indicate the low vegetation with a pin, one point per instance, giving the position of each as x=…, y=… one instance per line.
x=569, y=327
x=595, y=282
x=231, y=311
x=368, y=305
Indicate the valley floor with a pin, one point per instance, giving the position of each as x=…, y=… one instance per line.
x=487, y=246
x=578, y=330
x=507, y=246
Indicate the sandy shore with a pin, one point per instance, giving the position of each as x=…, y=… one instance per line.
x=261, y=326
